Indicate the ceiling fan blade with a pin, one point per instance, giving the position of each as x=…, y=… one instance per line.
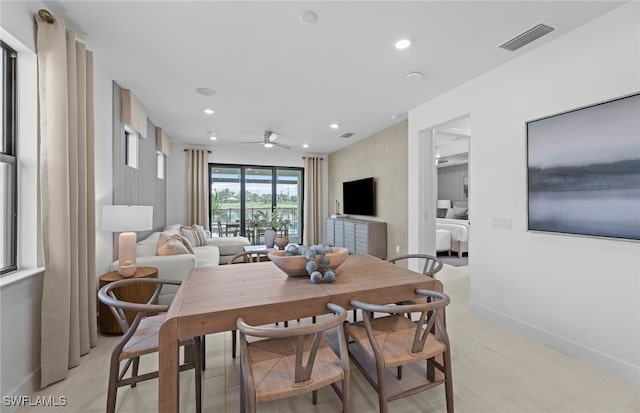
x=281, y=145
x=252, y=142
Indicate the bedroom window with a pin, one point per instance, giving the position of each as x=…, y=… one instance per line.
x=8, y=164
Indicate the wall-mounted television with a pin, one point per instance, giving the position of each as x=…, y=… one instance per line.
x=359, y=197
x=584, y=170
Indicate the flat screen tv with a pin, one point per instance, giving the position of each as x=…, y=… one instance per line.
x=584, y=170
x=359, y=197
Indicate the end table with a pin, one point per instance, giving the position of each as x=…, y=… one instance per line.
x=137, y=294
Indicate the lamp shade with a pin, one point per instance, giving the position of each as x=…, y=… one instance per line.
x=126, y=218
x=443, y=203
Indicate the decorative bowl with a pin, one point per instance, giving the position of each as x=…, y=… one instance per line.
x=295, y=265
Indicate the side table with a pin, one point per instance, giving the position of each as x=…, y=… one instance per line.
x=137, y=294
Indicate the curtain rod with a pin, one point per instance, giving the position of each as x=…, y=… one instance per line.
x=304, y=157
x=46, y=16
x=195, y=150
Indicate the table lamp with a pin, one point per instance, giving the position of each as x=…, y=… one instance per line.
x=443, y=203
x=125, y=219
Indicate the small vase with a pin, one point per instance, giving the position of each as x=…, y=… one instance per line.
x=269, y=237
x=281, y=242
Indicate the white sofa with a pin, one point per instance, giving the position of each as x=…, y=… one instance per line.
x=176, y=267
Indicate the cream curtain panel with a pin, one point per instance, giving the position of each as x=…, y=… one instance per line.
x=65, y=81
x=312, y=200
x=198, y=187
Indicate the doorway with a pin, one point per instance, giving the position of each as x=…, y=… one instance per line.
x=445, y=183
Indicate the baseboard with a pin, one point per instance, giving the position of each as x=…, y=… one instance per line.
x=29, y=385
x=593, y=357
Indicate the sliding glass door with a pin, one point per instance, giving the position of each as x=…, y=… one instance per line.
x=243, y=198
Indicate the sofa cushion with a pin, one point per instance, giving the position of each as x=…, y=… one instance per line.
x=206, y=256
x=173, y=245
x=229, y=245
x=148, y=247
x=195, y=234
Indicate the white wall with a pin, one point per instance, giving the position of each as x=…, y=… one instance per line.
x=246, y=155
x=578, y=294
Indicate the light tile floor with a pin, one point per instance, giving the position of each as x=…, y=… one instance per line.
x=494, y=370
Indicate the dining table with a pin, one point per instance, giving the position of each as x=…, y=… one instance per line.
x=211, y=299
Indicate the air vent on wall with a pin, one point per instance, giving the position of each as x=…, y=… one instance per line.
x=346, y=135
x=527, y=37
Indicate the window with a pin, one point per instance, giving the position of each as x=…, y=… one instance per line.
x=131, y=148
x=8, y=164
x=160, y=162
x=241, y=195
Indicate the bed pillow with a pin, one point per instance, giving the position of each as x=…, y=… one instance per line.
x=460, y=213
x=173, y=245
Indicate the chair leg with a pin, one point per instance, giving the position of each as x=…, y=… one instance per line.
x=134, y=369
x=399, y=372
x=448, y=384
x=314, y=397
x=234, y=342
x=112, y=390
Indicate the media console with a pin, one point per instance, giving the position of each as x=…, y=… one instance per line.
x=358, y=236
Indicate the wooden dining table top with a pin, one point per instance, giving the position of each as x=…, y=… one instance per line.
x=211, y=299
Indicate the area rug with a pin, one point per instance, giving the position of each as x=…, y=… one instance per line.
x=454, y=260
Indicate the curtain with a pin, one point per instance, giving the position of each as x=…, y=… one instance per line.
x=198, y=187
x=312, y=200
x=65, y=89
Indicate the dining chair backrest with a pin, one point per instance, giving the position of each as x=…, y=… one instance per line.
x=249, y=256
x=285, y=362
x=430, y=264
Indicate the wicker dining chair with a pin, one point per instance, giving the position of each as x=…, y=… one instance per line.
x=378, y=345
x=288, y=362
x=249, y=256
x=141, y=337
x=430, y=264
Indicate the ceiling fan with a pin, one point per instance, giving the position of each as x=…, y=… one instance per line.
x=269, y=140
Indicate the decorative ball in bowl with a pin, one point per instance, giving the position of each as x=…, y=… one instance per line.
x=296, y=265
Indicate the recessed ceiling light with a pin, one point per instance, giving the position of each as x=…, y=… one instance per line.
x=209, y=111
x=334, y=126
x=305, y=145
x=395, y=117
x=414, y=76
x=308, y=17
x=205, y=91
x=213, y=138
x=402, y=44
x=268, y=145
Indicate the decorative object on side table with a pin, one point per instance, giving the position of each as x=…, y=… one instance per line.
x=294, y=260
x=125, y=219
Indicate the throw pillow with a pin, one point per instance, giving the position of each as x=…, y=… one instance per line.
x=441, y=213
x=172, y=245
x=197, y=237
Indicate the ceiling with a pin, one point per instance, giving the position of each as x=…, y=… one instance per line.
x=271, y=71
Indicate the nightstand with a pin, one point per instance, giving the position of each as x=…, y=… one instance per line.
x=138, y=294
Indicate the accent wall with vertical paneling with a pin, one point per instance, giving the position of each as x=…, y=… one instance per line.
x=137, y=186
x=450, y=182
